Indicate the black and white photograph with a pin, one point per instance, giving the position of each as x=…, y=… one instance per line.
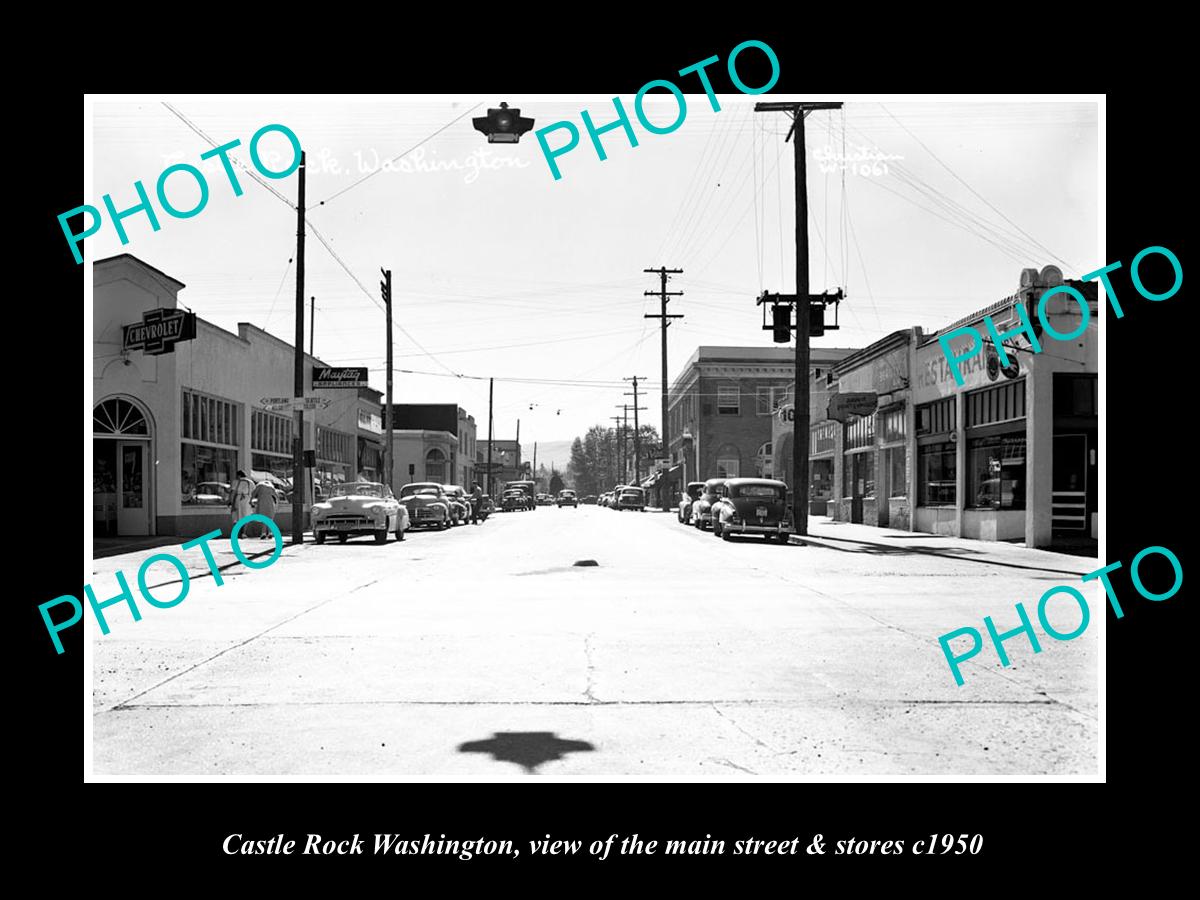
x=709, y=433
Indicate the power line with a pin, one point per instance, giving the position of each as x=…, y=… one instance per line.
x=1035, y=242
x=399, y=156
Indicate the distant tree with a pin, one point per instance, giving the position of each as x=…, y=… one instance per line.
x=580, y=469
x=556, y=482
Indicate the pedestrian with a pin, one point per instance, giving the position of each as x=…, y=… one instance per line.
x=239, y=498
x=476, y=502
x=265, y=497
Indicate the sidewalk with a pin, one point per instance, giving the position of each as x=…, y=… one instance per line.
x=824, y=532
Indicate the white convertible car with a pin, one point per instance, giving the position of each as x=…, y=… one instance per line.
x=364, y=507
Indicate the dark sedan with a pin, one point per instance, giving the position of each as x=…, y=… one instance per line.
x=701, y=515
x=687, y=498
x=752, y=506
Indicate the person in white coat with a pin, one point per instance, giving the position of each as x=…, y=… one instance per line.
x=239, y=498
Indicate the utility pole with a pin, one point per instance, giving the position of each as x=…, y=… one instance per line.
x=535, y=464
x=517, y=459
x=663, y=272
x=298, y=476
x=800, y=423
x=623, y=429
x=491, y=389
x=312, y=324
x=637, y=435
x=386, y=287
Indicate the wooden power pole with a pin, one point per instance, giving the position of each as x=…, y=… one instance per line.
x=298, y=476
x=663, y=294
x=800, y=423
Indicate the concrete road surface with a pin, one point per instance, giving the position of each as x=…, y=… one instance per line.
x=485, y=652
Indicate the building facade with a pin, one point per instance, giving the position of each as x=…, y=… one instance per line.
x=432, y=442
x=180, y=405
x=1012, y=453
x=722, y=406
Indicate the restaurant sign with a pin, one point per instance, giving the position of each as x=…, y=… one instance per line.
x=159, y=331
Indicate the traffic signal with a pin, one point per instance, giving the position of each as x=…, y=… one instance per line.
x=781, y=319
x=503, y=125
x=385, y=286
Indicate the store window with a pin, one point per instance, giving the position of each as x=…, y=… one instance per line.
x=824, y=438
x=209, y=449
x=769, y=398
x=996, y=472
x=1002, y=403
x=937, y=417
x=893, y=425
x=335, y=457
x=860, y=432
x=858, y=474
x=894, y=459
x=728, y=401
x=937, y=473
x=727, y=467
x=1075, y=395
x=270, y=445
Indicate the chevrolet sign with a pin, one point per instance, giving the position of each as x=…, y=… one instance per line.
x=159, y=331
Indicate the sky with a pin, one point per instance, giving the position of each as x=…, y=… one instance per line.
x=499, y=270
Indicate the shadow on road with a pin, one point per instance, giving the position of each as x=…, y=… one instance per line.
x=528, y=749
x=961, y=554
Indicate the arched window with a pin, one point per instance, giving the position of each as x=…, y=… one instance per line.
x=763, y=461
x=435, y=466
x=119, y=417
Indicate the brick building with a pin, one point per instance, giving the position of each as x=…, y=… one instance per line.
x=721, y=409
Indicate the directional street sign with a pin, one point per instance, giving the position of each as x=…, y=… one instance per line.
x=307, y=404
x=276, y=404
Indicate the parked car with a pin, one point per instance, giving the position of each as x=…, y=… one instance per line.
x=528, y=488
x=589, y=500
x=363, y=507
x=210, y=493
x=427, y=504
x=513, y=500
x=701, y=507
x=631, y=497
x=460, y=503
x=545, y=500
x=567, y=498
x=752, y=506
x=687, y=498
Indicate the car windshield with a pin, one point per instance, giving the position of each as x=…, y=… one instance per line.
x=360, y=489
x=759, y=491
x=567, y=494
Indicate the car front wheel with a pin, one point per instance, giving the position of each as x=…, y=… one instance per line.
x=381, y=536
x=319, y=537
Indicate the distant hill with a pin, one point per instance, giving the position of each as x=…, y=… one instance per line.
x=549, y=453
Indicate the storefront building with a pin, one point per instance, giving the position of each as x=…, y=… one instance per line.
x=1011, y=455
x=722, y=408
x=872, y=467
x=823, y=443
x=427, y=443
x=178, y=408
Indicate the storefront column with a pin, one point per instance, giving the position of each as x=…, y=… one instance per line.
x=1039, y=470
x=910, y=459
x=960, y=460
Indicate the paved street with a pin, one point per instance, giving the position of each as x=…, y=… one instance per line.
x=485, y=652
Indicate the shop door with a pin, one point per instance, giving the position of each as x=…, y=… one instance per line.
x=132, y=515
x=858, y=474
x=1071, y=507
